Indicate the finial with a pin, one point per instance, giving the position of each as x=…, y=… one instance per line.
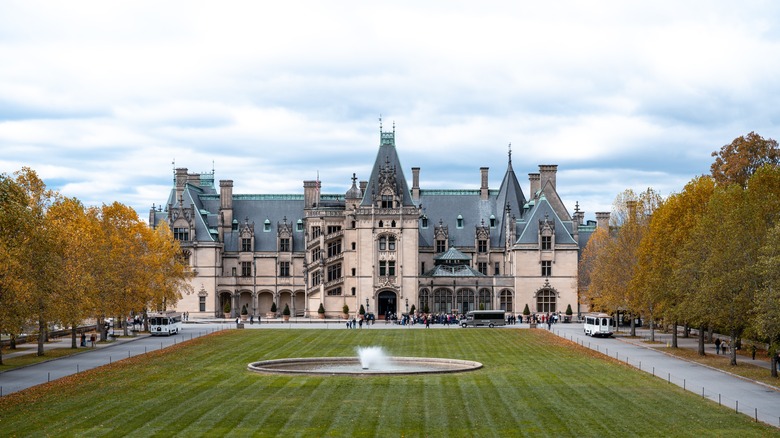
x=380, y=124
x=393, y=128
x=510, y=153
x=577, y=206
x=354, y=179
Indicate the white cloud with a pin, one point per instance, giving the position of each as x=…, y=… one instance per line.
x=100, y=97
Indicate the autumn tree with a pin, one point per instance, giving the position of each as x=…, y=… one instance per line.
x=767, y=303
x=659, y=254
x=738, y=161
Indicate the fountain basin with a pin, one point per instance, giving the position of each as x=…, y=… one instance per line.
x=351, y=366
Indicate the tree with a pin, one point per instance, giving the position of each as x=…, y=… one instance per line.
x=738, y=161
x=362, y=310
x=658, y=259
x=767, y=304
x=526, y=310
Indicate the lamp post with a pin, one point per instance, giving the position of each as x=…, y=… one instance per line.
x=407, y=306
x=367, y=306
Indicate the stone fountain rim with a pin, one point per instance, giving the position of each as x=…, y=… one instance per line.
x=459, y=366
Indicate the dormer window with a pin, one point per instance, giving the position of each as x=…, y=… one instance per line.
x=492, y=221
x=482, y=246
x=424, y=222
x=181, y=234
x=234, y=225
x=387, y=201
x=284, y=244
x=299, y=226
x=460, y=221
x=267, y=225
x=546, y=243
x=246, y=244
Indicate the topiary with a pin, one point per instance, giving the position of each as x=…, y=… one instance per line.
x=321, y=310
x=273, y=307
x=286, y=311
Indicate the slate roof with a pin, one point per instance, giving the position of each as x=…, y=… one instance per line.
x=528, y=228
x=387, y=156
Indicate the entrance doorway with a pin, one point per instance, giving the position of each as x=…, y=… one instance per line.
x=386, y=304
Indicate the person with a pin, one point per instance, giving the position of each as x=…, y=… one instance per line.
x=717, y=345
x=92, y=339
x=427, y=322
x=724, y=346
x=360, y=322
x=753, y=351
x=251, y=319
x=84, y=340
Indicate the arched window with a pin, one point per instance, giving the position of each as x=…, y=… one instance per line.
x=506, y=301
x=442, y=301
x=545, y=301
x=465, y=300
x=424, y=300
x=460, y=221
x=485, y=300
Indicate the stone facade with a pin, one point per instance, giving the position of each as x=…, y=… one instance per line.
x=382, y=245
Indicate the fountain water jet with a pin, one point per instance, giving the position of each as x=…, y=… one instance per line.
x=373, y=358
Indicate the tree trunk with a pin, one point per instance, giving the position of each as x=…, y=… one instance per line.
x=633, y=324
x=13, y=342
x=73, y=336
x=686, y=330
x=101, y=328
x=709, y=334
x=674, y=334
x=701, y=341
x=733, y=348
x=41, y=335
x=652, y=330
x=772, y=365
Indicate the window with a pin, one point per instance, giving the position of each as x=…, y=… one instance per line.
x=353, y=246
x=546, y=268
x=353, y=291
x=545, y=301
x=299, y=226
x=391, y=243
x=202, y=304
x=267, y=226
x=485, y=301
x=316, y=254
x=316, y=278
x=422, y=267
x=284, y=269
x=382, y=243
x=482, y=267
x=333, y=229
x=284, y=244
x=334, y=292
x=386, y=268
x=441, y=245
x=392, y=224
x=353, y=272
x=492, y=221
x=546, y=243
x=334, y=248
x=334, y=272
x=234, y=271
x=182, y=234
x=246, y=269
x=496, y=270
x=505, y=301
x=387, y=201
x=424, y=222
x=234, y=225
x=316, y=232
x=381, y=224
x=482, y=246
x=460, y=221
x=246, y=244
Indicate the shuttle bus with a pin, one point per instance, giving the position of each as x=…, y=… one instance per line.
x=598, y=324
x=483, y=318
x=165, y=323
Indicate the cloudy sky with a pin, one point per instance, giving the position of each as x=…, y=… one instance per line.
x=100, y=98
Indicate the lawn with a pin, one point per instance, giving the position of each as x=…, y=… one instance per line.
x=532, y=383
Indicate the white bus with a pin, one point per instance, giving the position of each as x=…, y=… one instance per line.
x=482, y=318
x=165, y=323
x=598, y=324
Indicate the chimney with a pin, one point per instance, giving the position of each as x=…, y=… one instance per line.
x=547, y=173
x=631, y=207
x=225, y=206
x=416, y=183
x=181, y=180
x=602, y=220
x=363, y=185
x=311, y=194
x=535, y=185
x=483, y=189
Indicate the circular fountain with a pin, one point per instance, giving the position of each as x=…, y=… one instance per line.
x=369, y=361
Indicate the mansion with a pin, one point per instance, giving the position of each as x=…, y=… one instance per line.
x=381, y=244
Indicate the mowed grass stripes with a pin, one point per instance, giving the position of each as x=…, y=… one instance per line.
x=532, y=383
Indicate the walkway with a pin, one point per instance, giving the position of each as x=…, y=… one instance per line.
x=745, y=396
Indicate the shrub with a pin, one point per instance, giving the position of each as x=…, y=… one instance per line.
x=345, y=309
x=226, y=307
x=321, y=310
x=273, y=307
x=286, y=311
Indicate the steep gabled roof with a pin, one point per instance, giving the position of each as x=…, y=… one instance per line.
x=387, y=160
x=542, y=210
x=510, y=194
